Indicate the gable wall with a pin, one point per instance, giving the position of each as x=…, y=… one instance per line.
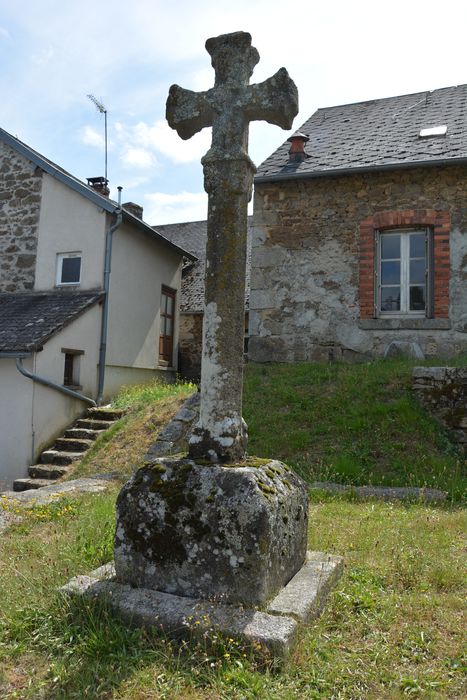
x=69, y=223
x=305, y=301
x=20, y=198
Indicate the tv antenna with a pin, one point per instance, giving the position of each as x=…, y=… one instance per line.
x=102, y=110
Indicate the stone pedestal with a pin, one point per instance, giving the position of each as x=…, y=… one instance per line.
x=235, y=534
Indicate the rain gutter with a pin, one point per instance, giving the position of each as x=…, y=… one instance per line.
x=105, y=308
x=355, y=170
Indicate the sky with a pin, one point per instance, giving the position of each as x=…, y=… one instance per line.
x=54, y=53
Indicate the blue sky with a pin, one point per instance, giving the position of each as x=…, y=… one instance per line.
x=53, y=53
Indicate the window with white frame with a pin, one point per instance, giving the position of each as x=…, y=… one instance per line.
x=404, y=273
x=68, y=269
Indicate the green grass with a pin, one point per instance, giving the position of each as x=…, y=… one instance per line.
x=393, y=628
x=354, y=424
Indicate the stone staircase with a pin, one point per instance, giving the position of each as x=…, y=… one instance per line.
x=58, y=460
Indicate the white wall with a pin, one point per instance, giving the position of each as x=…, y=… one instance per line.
x=69, y=223
x=140, y=266
x=33, y=415
x=15, y=421
x=52, y=410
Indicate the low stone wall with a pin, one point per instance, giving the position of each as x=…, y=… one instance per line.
x=443, y=392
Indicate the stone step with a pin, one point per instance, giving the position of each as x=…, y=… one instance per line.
x=57, y=457
x=90, y=424
x=111, y=414
x=28, y=484
x=72, y=445
x=82, y=433
x=47, y=471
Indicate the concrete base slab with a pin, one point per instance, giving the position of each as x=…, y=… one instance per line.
x=271, y=632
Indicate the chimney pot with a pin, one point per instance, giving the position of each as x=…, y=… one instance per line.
x=100, y=184
x=297, y=147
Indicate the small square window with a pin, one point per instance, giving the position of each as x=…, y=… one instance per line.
x=68, y=269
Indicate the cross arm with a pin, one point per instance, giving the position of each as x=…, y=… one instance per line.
x=187, y=112
x=275, y=100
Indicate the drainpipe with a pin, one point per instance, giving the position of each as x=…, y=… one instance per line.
x=105, y=308
x=44, y=381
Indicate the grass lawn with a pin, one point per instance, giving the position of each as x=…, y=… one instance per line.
x=394, y=626
x=354, y=424
x=392, y=629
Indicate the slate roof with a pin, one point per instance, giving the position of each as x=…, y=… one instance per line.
x=192, y=236
x=100, y=200
x=377, y=135
x=29, y=319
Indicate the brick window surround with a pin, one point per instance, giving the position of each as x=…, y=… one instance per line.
x=440, y=224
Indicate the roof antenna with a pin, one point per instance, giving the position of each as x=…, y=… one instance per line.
x=102, y=110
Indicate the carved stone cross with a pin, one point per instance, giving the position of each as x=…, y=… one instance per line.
x=228, y=107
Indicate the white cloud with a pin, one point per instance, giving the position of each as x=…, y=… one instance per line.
x=91, y=137
x=162, y=139
x=166, y=208
x=137, y=158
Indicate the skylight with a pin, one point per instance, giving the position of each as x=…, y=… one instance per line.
x=434, y=131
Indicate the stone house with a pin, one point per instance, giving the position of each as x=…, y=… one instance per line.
x=88, y=301
x=360, y=233
x=192, y=236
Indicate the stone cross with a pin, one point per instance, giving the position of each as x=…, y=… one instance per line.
x=220, y=435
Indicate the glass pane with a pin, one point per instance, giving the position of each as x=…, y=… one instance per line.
x=163, y=303
x=70, y=270
x=417, y=298
x=417, y=245
x=417, y=272
x=163, y=325
x=170, y=306
x=390, y=299
x=391, y=272
x=390, y=246
x=168, y=326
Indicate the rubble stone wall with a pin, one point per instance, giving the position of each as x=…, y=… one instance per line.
x=305, y=301
x=20, y=200
x=443, y=392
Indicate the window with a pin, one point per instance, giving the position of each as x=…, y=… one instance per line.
x=68, y=269
x=403, y=273
x=71, y=367
x=166, y=338
x=400, y=277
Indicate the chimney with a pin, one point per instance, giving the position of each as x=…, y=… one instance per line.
x=100, y=184
x=297, y=152
x=134, y=209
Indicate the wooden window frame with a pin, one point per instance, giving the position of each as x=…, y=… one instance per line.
x=166, y=340
x=404, y=283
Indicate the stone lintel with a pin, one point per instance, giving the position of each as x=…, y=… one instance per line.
x=271, y=633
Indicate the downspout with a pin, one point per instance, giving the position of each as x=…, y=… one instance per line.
x=105, y=308
x=47, y=382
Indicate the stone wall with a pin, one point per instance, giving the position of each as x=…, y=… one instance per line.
x=20, y=198
x=443, y=392
x=305, y=282
x=190, y=345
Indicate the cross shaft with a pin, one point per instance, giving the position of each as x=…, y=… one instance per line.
x=228, y=107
